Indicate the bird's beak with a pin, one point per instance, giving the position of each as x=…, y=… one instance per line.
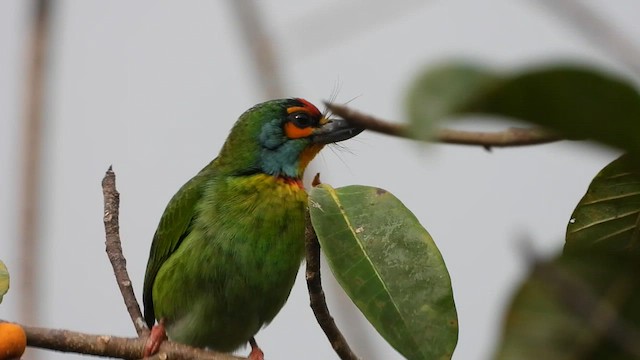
x=333, y=131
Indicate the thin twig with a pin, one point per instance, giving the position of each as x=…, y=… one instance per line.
x=114, y=250
x=597, y=30
x=256, y=37
x=32, y=154
x=510, y=137
x=112, y=346
x=316, y=295
x=506, y=138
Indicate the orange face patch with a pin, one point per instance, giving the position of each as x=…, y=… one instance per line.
x=294, y=132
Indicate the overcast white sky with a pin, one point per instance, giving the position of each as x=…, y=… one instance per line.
x=153, y=88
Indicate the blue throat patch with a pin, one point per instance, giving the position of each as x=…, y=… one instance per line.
x=279, y=155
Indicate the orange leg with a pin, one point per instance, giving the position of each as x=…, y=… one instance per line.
x=155, y=339
x=256, y=353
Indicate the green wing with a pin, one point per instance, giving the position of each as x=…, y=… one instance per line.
x=174, y=226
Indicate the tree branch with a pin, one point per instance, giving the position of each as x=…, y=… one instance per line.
x=506, y=138
x=316, y=294
x=113, y=346
x=31, y=172
x=260, y=46
x=114, y=250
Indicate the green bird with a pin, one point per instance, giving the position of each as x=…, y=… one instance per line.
x=230, y=242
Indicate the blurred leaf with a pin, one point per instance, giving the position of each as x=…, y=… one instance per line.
x=389, y=266
x=578, y=306
x=4, y=280
x=443, y=91
x=608, y=215
x=576, y=101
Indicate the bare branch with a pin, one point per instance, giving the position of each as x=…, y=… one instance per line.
x=114, y=250
x=506, y=138
x=256, y=37
x=112, y=346
x=32, y=160
x=316, y=295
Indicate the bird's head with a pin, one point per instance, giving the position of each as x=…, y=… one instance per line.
x=280, y=138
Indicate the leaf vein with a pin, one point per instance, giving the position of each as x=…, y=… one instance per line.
x=375, y=270
x=616, y=217
x=610, y=235
x=614, y=197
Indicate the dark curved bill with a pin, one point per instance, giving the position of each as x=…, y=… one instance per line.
x=335, y=130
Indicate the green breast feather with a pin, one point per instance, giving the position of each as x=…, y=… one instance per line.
x=235, y=264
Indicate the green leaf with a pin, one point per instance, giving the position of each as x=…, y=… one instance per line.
x=4, y=280
x=577, y=306
x=389, y=266
x=608, y=215
x=576, y=101
x=438, y=92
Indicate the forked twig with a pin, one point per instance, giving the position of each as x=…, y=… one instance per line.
x=114, y=250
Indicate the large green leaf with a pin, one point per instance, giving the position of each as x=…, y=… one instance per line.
x=576, y=101
x=608, y=216
x=389, y=266
x=577, y=306
x=443, y=91
x=4, y=280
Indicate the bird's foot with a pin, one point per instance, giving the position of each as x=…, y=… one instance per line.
x=155, y=339
x=256, y=353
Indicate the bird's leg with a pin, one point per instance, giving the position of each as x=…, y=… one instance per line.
x=256, y=353
x=155, y=339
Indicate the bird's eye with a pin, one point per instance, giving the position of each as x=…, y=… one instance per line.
x=301, y=120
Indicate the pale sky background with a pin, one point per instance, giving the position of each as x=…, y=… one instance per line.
x=153, y=87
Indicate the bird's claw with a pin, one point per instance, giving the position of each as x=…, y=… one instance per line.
x=256, y=353
x=156, y=338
